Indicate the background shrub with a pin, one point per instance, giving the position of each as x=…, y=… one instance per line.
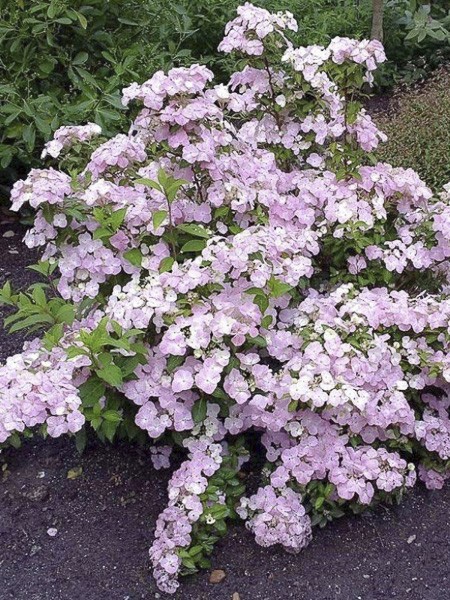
x=64, y=61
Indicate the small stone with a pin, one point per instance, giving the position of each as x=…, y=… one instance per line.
x=13, y=251
x=34, y=550
x=9, y=234
x=40, y=475
x=52, y=531
x=37, y=494
x=411, y=539
x=217, y=576
x=235, y=596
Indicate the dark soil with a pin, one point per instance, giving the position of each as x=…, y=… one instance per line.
x=105, y=519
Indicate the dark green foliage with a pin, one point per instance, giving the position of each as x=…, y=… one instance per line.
x=416, y=39
x=65, y=61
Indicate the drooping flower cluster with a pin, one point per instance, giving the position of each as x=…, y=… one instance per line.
x=174, y=527
x=239, y=265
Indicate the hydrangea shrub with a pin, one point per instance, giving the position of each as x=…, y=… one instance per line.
x=235, y=267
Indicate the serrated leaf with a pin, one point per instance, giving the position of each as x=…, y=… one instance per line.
x=109, y=428
x=31, y=321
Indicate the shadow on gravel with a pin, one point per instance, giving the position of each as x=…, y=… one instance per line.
x=105, y=519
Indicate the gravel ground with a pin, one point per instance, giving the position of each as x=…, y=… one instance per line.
x=105, y=519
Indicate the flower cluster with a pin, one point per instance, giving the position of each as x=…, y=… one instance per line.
x=65, y=137
x=277, y=517
x=39, y=388
x=238, y=264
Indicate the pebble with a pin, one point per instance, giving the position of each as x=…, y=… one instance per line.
x=235, y=596
x=217, y=576
x=34, y=550
x=52, y=531
x=411, y=539
x=37, y=494
x=9, y=234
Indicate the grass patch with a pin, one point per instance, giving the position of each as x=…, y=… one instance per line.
x=418, y=127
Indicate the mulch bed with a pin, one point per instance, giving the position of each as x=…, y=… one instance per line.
x=105, y=519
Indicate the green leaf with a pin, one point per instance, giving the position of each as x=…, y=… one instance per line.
x=171, y=190
x=91, y=391
x=53, y=336
x=262, y=302
x=66, y=314
x=117, y=218
x=278, y=288
x=173, y=362
x=39, y=297
x=113, y=416
x=111, y=374
x=80, y=58
x=109, y=428
x=258, y=341
x=193, y=229
x=102, y=232
x=222, y=211
x=149, y=183
x=96, y=422
x=158, y=218
x=14, y=440
x=31, y=321
x=194, y=246
x=134, y=256
x=266, y=321
x=199, y=410
x=318, y=503
x=166, y=264
x=82, y=19
x=81, y=440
